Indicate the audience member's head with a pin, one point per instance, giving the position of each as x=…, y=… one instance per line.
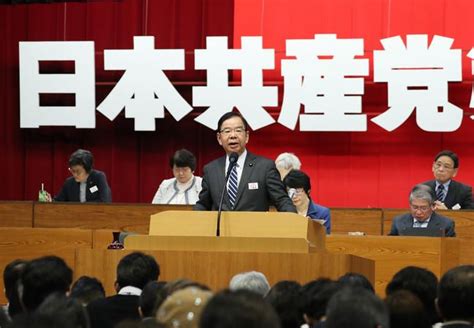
x=315, y=298
x=11, y=279
x=356, y=308
x=136, y=269
x=236, y=309
x=406, y=310
x=86, y=289
x=356, y=280
x=285, y=162
x=139, y=324
x=285, y=298
x=183, y=308
x=456, y=294
x=42, y=277
x=252, y=280
x=174, y=286
x=421, y=282
x=148, y=298
x=58, y=305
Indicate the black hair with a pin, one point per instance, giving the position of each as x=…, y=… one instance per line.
x=229, y=115
x=82, y=157
x=406, y=310
x=183, y=158
x=456, y=294
x=240, y=308
x=148, y=297
x=11, y=279
x=42, y=277
x=421, y=282
x=356, y=308
x=356, y=280
x=316, y=298
x=285, y=297
x=87, y=289
x=137, y=269
x=297, y=179
x=70, y=309
x=454, y=157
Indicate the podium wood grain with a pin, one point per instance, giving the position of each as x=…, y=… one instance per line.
x=30, y=243
x=215, y=269
x=16, y=214
x=392, y=253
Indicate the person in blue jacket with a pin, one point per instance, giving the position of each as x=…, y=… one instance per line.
x=298, y=185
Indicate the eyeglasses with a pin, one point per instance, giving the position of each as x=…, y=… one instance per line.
x=420, y=208
x=438, y=165
x=292, y=192
x=237, y=130
x=77, y=172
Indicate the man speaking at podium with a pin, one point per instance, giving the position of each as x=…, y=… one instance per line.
x=253, y=181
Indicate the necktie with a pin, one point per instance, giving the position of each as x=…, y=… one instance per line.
x=440, y=193
x=232, y=186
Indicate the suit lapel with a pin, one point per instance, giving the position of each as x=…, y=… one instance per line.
x=247, y=170
x=450, y=196
x=221, y=175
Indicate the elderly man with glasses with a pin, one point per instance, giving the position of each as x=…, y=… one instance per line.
x=422, y=216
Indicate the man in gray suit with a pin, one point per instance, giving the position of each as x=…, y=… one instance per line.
x=422, y=215
x=255, y=184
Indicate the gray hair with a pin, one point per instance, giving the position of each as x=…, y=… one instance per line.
x=422, y=192
x=288, y=161
x=253, y=281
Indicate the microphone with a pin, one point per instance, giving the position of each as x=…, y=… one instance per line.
x=233, y=157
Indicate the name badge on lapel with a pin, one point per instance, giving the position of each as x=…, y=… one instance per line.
x=93, y=189
x=253, y=185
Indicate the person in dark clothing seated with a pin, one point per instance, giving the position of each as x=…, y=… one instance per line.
x=85, y=184
x=134, y=271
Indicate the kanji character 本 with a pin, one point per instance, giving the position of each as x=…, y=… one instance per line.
x=144, y=89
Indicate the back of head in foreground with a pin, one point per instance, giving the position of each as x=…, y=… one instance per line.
x=356, y=308
x=136, y=269
x=236, y=309
x=253, y=280
x=456, y=294
x=42, y=277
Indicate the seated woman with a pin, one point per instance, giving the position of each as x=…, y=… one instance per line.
x=298, y=186
x=86, y=184
x=184, y=188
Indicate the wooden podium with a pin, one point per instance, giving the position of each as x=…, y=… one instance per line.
x=284, y=246
x=239, y=231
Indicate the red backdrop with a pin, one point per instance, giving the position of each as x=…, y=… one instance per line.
x=364, y=169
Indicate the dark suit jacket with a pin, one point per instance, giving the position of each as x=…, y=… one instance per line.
x=257, y=170
x=436, y=222
x=107, y=312
x=70, y=190
x=458, y=193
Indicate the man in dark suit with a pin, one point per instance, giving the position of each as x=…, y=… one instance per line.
x=422, y=215
x=455, y=300
x=134, y=271
x=450, y=194
x=256, y=184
